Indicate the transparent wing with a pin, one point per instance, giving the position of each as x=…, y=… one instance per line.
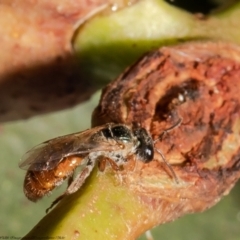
x=47, y=155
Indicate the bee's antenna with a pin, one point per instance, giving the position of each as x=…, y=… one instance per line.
x=169, y=166
x=178, y=123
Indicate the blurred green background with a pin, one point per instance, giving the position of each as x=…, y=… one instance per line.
x=18, y=215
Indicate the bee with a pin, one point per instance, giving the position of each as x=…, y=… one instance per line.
x=51, y=162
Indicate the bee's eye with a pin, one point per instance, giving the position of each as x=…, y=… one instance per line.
x=149, y=153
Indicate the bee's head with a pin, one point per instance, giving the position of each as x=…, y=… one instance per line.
x=145, y=147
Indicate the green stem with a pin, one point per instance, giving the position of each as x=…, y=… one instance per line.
x=103, y=209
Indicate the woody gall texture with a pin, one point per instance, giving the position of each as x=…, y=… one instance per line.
x=195, y=82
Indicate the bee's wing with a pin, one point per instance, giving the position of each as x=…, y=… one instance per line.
x=47, y=155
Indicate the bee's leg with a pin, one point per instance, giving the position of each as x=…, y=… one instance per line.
x=135, y=163
x=102, y=163
x=70, y=179
x=113, y=165
x=76, y=183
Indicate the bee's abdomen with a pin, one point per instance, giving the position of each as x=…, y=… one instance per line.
x=39, y=183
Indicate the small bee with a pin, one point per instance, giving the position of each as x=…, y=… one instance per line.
x=53, y=161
